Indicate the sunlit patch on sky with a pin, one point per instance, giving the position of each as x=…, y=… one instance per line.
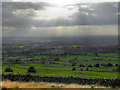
x=5, y=28
x=33, y=28
x=54, y=12
x=59, y=27
x=60, y=17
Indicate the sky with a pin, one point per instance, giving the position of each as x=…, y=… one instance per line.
x=46, y=18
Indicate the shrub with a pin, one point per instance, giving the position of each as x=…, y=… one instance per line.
x=81, y=69
x=103, y=65
x=90, y=66
x=87, y=69
x=81, y=65
x=31, y=70
x=96, y=65
x=109, y=65
x=8, y=69
x=74, y=69
x=116, y=64
x=74, y=64
x=92, y=86
x=118, y=69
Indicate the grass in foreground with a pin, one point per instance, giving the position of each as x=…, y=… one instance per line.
x=9, y=84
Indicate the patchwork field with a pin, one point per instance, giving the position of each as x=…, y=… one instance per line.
x=64, y=65
x=61, y=59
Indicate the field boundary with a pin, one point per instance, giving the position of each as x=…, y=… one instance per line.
x=113, y=82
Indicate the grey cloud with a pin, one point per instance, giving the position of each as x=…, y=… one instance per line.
x=10, y=19
x=93, y=14
x=61, y=21
x=25, y=5
x=103, y=14
x=22, y=22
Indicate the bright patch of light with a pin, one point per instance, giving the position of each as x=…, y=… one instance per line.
x=54, y=12
x=33, y=28
x=83, y=6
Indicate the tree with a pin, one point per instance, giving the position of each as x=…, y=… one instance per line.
x=109, y=65
x=97, y=65
x=81, y=69
x=74, y=69
x=74, y=64
x=87, y=69
x=8, y=69
x=31, y=70
x=81, y=65
x=116, y=64
x=118, y=69
x=90, y=66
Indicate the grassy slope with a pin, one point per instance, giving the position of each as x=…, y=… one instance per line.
x=9, y=84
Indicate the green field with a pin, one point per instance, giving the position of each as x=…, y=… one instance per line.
x=63, y=65
x=58, y=70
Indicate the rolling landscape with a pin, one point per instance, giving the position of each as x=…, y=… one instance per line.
x=60, y=44
x=60, y=58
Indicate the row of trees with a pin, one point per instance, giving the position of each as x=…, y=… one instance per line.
x=87, y=69
x=98, y=65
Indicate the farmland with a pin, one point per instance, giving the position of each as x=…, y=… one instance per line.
x=60, y=58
